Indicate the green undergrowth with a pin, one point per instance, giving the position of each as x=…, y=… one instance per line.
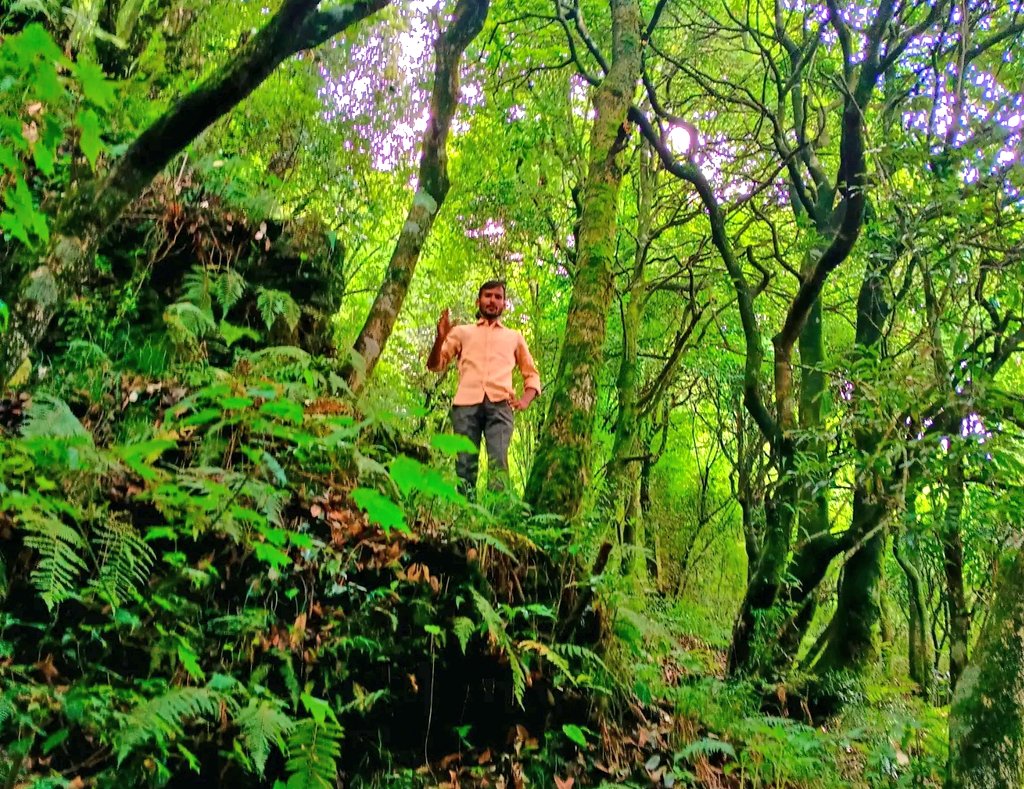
x=220, y=574
x=234, y=574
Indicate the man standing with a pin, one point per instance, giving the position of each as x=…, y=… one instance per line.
x=483, y=405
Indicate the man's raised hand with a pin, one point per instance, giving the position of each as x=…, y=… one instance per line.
x=444, y=324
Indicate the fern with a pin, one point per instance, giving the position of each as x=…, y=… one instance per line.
x=313, y=752
x=273, y=304
x=197, y=289
x=164, y=717
x=50, y=417
x=227, y=288
x=125, y=559
x=706, y=747
x=552, y=657
x=496, y=629
x=463, y=628
x=262, y=726
x=7, y=711
x=187, y=323
x=60, y=547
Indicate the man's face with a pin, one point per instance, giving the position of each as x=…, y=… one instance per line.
x=491, y=302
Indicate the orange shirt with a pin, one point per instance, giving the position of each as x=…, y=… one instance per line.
x=487, y=353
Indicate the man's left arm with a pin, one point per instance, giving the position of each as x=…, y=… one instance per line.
x=531, y=377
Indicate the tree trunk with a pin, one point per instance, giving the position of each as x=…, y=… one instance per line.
x=92, y=207
x=986, y=721
x=431, y=191
x=853, y=638
x=919, y=657
x=953, y=565
x=623, y=467
x=561, y=468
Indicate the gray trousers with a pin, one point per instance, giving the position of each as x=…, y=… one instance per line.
x=494, y=422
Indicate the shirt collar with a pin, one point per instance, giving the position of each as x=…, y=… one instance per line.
x=484, y=322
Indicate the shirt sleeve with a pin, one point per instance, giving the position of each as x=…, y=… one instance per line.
x=531, y=377
x=451, y=347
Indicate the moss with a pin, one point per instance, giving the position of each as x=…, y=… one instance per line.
x=986, y=722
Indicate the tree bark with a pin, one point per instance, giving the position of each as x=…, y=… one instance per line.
x=561, y=468
x=986, y=721
x=853, y=638
x=953, y=566
x=92, y=207
x=431, y=191
x=919, y=657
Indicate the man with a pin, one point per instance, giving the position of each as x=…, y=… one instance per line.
x=485, y=400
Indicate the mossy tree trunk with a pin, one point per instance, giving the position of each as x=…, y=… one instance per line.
x=93, y=206
x=431, y=191
x=852, y=639
x=622, y=487
x=561, y=468
x=919, y=653
x=953, y=566
x=986, y=721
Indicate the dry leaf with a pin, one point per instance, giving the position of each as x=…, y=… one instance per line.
x=564, y=783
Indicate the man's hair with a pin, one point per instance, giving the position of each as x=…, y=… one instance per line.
x=491, y=283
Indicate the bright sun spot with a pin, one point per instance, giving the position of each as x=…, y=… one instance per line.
x=678, y=140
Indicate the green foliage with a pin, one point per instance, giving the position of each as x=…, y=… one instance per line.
x=314, y=748
x=58, y=97
x=164, y=717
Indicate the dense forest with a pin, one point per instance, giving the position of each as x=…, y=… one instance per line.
x=759, y=528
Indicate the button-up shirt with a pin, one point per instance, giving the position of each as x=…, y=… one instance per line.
x=487, y=353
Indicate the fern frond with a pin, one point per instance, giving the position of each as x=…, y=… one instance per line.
x=164, y=717
x=550, y=655
x=50, y=417
x=188, y=323
x=707, y=747
x=273, y=304
x=463, y=628
x=262, y=726
x=61, y=550
x=496, y=629
x=125, y=559
x=313, y=753
x=227, y=288
x=197, y=287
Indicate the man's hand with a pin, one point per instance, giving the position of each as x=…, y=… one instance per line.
x=522, y=403
x=444, y=324
x=444, y=327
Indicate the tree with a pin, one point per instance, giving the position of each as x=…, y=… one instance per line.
x=432, y=189
x=92, y=206
x=986, y=721
x=561, y=466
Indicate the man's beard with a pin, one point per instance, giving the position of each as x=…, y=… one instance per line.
x=491, y=313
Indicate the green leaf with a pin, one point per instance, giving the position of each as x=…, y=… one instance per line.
x=43, y=157
x=89, y=138
x=380, y=509
x=190, y=661
x=54, y=740
x=275, y=557
x=96, y=88
x=575, y=733
x=318, y=709
x=452, y=444
x=283, y=410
